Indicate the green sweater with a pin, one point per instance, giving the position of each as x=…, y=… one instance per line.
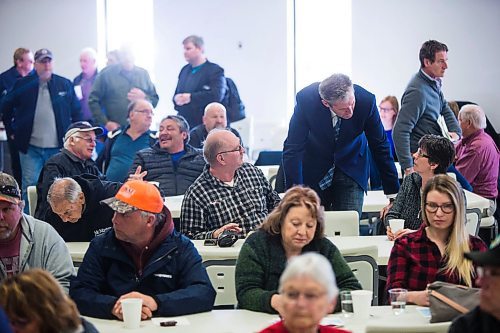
x=261, y=261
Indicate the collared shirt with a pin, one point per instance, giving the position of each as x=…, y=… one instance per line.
x=210, y=203
x=438, y=80
x=416, y=261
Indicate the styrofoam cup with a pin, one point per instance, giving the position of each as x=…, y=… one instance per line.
x=396, y=225
x=361, y=302
x=131, y=309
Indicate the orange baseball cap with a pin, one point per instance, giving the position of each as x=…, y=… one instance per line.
x=136, y=194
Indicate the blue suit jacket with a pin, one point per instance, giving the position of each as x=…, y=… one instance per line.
x=19, y=108
x=309, y=151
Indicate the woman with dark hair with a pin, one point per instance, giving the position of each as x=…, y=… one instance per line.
x=435, y=252
x=35, y=303
x=434, y=155
x=294, y=227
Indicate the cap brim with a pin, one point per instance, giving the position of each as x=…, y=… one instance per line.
x=118, y=206
x=43, y=57
x=7, y=198
x=488, y=258
x=98, y=130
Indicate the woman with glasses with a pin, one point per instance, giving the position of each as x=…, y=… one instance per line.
x=434, y=155
x=435, y=252
x=309, y=294
x=35, y=303
x=294, y=227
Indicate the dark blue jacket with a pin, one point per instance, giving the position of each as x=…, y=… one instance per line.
x=173, y=276
x=7, y=81
x=309, y=151
x=19, y=106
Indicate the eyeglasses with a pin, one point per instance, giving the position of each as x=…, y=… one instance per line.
x=239, y=150
x=88, y=140
x=483, y=272
x=146, y=112
x=432, y=207
x=420, y=154
x=309, y=296
x=19, y=323
x=386, y=109
x=10, y=191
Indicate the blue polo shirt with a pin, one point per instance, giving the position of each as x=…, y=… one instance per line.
x=122, y=155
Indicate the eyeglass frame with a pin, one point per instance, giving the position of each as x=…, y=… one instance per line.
x=88, y=140
x=385, y=109
x=420, y=154
x=309, y=297
x=149, y=113
x=239, y=149
x=435, y=209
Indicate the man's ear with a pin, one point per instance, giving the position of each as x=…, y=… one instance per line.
x=427, y=62
x=325, y=103
x=220, y=158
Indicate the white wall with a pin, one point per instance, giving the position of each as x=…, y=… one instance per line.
x=63, y=26
x=387, y=36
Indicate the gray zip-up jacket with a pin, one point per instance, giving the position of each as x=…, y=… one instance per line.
x=42, y=247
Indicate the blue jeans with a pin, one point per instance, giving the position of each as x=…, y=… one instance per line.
x=31, y=164
x=343, y=194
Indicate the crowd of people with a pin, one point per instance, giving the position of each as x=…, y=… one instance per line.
x=101, y=176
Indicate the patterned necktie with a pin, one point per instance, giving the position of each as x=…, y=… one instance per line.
x=326, y=181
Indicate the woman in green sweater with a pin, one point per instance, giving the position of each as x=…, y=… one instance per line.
x=295, y=226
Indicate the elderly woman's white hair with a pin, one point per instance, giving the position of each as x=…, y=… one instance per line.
x=314, y=266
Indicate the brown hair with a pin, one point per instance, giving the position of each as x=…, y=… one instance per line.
x=36, y=295
x=294, y=197
x=18, y=54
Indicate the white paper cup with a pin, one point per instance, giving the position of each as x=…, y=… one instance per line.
x=396, y=225
x=131, y=309
x=361, y=302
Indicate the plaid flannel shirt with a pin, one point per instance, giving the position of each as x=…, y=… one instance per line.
x=415, y=261
x=210, y=203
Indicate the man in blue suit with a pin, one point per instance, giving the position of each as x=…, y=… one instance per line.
x=332, y=126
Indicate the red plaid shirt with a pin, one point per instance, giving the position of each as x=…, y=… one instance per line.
x=415, y=262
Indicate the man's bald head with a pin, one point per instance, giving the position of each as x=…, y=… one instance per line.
x=215, y=143
x=214, y=116
x=66, y=199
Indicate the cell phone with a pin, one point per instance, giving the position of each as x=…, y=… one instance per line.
x=168, y=323
x=210, y=242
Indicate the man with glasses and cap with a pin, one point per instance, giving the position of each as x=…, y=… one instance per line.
x=26, y=242
x=142, y=256
x=73, y=160
x=486, y=316
x=229, y=195
x=36, y=114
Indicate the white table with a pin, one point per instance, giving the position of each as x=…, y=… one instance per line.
x=244, y=321
x=269, y=170
x=78, y=249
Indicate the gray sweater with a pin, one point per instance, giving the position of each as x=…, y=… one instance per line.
x=42, y=247
x=421, y=105
x=407, y=203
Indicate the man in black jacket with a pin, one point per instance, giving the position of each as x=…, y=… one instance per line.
x=75, y=210
x=200, y=82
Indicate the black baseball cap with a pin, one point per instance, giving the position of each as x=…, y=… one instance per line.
x=487, y=258
x=43, y=54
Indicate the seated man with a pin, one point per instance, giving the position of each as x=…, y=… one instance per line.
x=74, y=159
x=141, y=257
x=486, y=316
x=229, y=194
x=26, y=242
x=77, y=201
x=171, y=162
x=477, y=154
x=122, y=144
x=214, y=117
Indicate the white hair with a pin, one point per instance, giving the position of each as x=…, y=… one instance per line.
x=90, y=52
x=312, y=265
x=214, y=104
x=63, y=189
x=474, y=114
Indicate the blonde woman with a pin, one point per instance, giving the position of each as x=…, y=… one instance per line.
x=435, y=252
x=35, y=303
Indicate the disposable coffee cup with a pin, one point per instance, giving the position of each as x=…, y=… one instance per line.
x=396, y=225
x=131, y=309
x=361, y=303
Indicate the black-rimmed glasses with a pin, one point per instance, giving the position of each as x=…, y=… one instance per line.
x=421, y=154
x=432, y=207
x=239, y=150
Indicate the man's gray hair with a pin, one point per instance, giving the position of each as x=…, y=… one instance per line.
x=181, y=122
x=159, y=217
x=196, y=40
x=90, y=52
x=314, y=266
x=473, y=113
x=337, y=87
x=63, y=189
x=212, y=147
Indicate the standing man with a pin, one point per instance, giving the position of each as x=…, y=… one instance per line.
x=23, y=65
x=115, y=87
x=83, y=82
x=229, y=194
x=122, y=144
x=214, y=117
x=422, y=105
x=141, y=257
x=36, y=115
x=200, y=82
x=327, y=149
x=477, y=154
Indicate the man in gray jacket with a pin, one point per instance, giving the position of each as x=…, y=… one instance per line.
x=26, y=242
x=422, y=105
